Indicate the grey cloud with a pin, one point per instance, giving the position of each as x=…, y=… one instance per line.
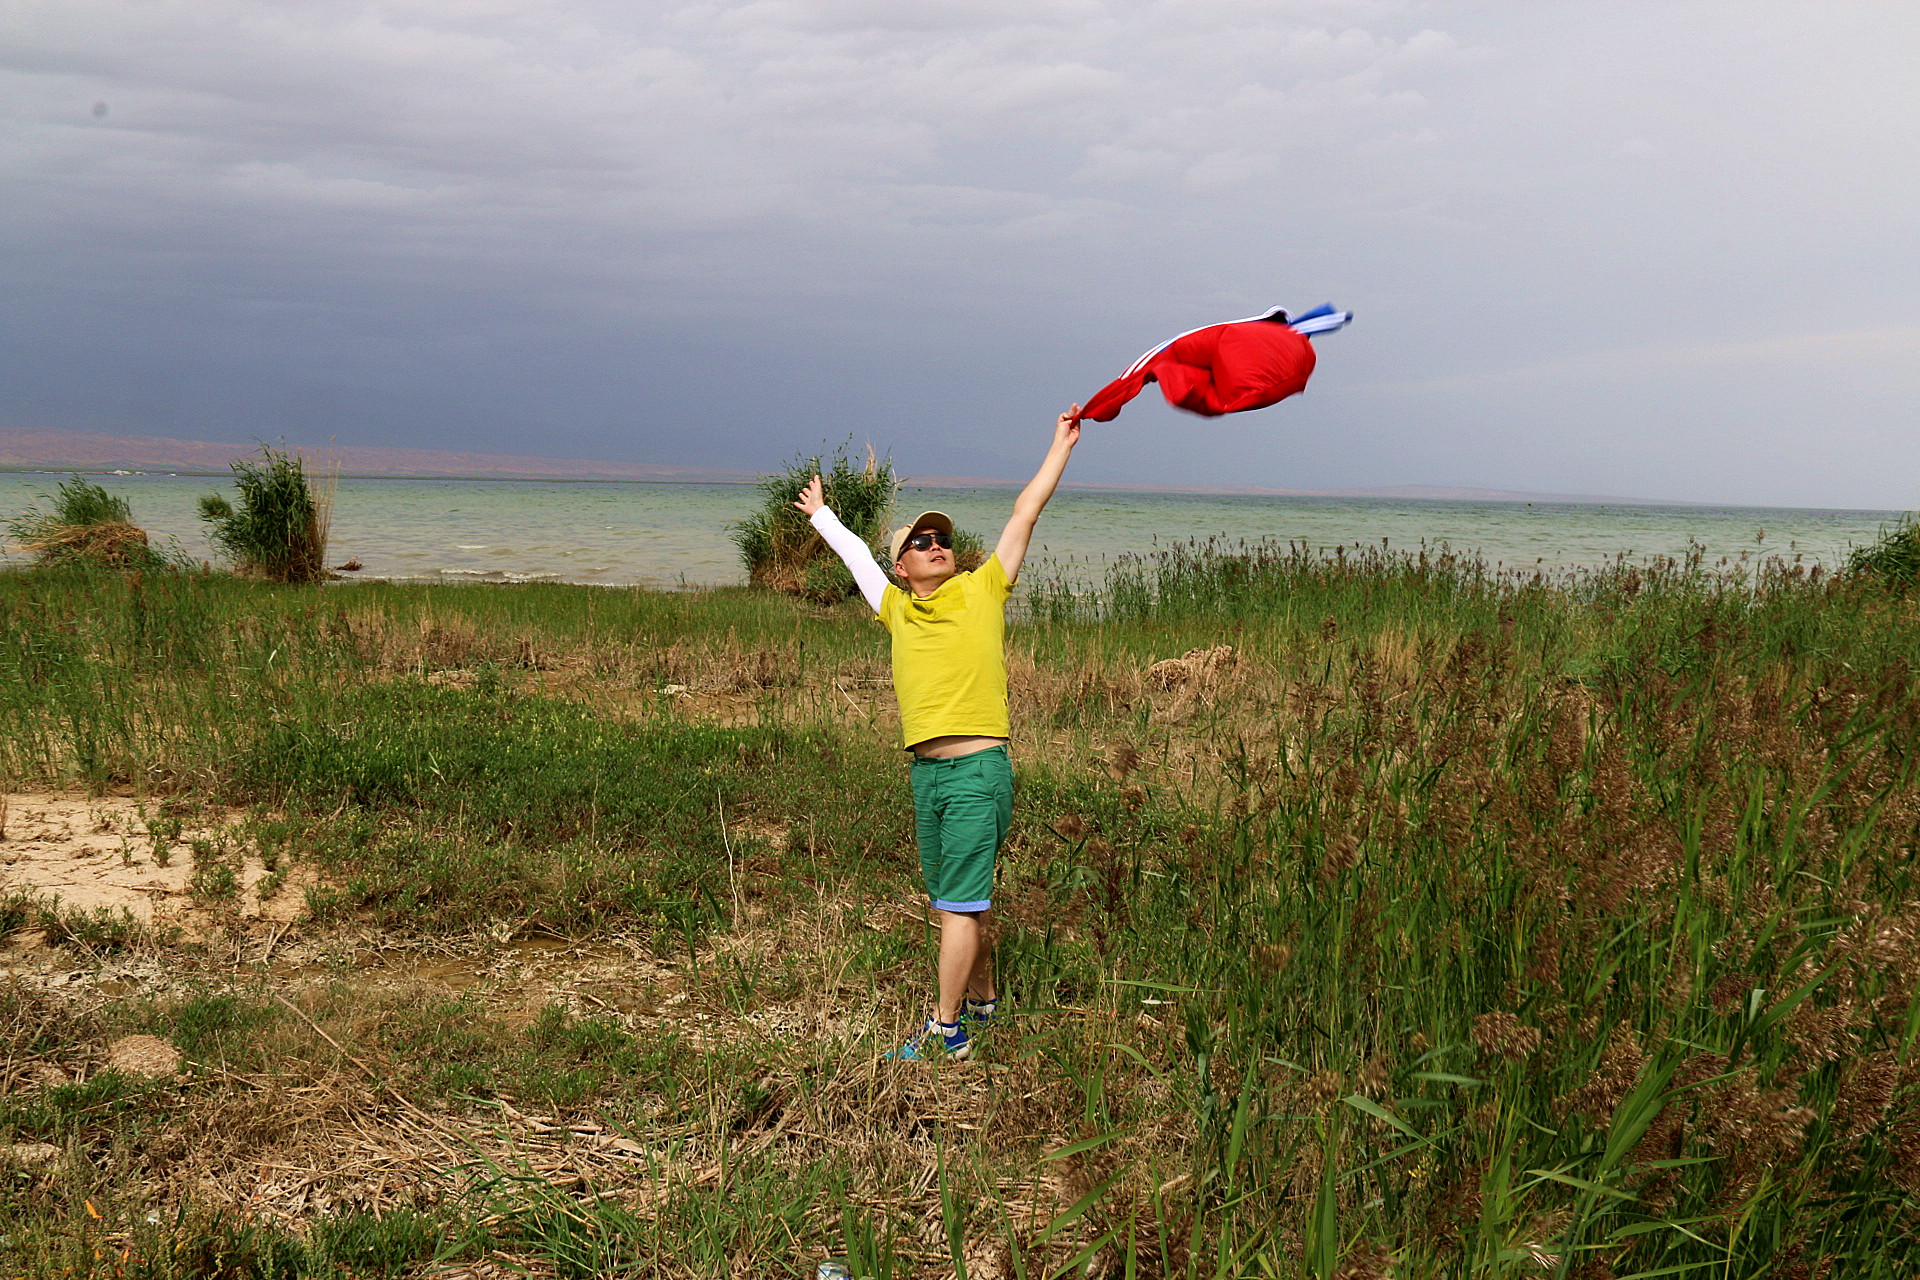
x=716, y=233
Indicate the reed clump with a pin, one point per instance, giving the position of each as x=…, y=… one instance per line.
x=279, y=530
x=1364, y=913
x=85, y=525
x=781, y=550
x=1893, y=557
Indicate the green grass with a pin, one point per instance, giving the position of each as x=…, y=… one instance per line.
x=208, y=1243
x=1510, y=926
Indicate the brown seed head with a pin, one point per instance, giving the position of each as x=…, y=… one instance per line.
x=1366, y=1261
x=1866, y=1093
x=1341, y=856
x=1372, y=1078
x=1506, y=1035
x=1728, y=992
x=1321, y=1088
x=1620, y=1067
x=1272, y=956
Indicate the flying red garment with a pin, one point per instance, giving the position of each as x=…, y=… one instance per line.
x=1225, y=368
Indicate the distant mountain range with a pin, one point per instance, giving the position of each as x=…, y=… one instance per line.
x=102, y=451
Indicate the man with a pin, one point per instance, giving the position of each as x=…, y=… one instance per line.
x=950, y=674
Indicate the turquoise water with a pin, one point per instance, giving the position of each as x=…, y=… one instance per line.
x=664, y=535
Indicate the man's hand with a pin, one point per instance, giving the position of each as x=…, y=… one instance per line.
x=1066, y=431
x=814, y=497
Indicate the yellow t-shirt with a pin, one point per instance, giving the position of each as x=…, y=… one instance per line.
x=949, y=670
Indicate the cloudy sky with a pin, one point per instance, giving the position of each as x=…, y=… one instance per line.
x=1669, y=250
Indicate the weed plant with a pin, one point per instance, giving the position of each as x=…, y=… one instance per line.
x=1364, y=912
x=17, y=907
x=86, y=525
x=279, y=530
x=102, y=931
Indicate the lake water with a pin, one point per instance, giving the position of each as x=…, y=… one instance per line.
x=663, y=535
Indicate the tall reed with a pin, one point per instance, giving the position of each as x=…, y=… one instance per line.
x=279, y=530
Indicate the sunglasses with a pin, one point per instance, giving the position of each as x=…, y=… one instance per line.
x=925, y=541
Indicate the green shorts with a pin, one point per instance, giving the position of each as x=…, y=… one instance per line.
x=961, y=809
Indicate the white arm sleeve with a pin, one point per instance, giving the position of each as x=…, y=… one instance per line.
x=858, y=556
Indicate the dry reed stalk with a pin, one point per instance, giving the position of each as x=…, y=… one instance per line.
x=370, y=1072
x=733, y=886
x=324, y=492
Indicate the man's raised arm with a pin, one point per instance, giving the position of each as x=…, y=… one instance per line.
x=846, y=544
x=1033, y=499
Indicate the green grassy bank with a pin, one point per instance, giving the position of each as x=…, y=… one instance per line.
x=1363, y=915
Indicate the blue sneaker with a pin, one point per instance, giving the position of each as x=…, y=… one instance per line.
x=938, y=1040
x=979, y=1012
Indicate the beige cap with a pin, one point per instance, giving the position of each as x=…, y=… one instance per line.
x=939, y=520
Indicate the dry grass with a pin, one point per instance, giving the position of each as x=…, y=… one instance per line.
x=295, y=1118
x=114, y=544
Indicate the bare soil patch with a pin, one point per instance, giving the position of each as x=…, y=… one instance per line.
x=97, y=853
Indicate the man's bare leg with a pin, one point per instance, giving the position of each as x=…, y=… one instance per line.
x=980, y=981
x=966, y=962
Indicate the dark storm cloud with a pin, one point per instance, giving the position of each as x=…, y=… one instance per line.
x=1652, y=249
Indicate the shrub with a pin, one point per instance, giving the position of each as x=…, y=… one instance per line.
x=781, y=550
x=87, y=525
x=1894, y=557
x=279, y=531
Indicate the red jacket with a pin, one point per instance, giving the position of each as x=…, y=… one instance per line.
x=1224, y=368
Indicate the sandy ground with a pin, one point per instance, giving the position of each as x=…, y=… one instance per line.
x=95, y=852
